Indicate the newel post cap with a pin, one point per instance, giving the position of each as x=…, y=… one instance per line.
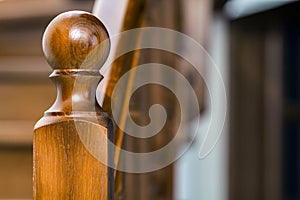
x=76, y=40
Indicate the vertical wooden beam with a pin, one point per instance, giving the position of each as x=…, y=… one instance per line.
x=256, y=106
x=71, y=138
x=158, y=184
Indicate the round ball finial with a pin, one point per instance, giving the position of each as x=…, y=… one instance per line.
x=76, y=40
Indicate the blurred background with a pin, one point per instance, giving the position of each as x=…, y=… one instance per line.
x=256, y=46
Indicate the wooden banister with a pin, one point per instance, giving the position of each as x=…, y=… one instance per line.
x=70, y=145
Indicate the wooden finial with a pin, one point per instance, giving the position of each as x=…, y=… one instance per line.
x=76, y=45
x=76, y=40
x=73, y=134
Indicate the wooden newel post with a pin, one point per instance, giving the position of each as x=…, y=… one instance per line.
x=70, y=144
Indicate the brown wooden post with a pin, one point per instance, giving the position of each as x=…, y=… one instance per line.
x=70, y=146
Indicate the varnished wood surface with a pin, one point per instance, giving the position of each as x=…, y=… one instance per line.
x=66, y=142
x=63, y=167
x=76, y=40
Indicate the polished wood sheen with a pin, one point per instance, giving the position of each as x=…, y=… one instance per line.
x=76, y=40
x=67, y=140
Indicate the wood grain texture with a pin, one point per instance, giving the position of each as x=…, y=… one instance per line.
x=63, y=167
x=70, y=143
x=76, y=40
